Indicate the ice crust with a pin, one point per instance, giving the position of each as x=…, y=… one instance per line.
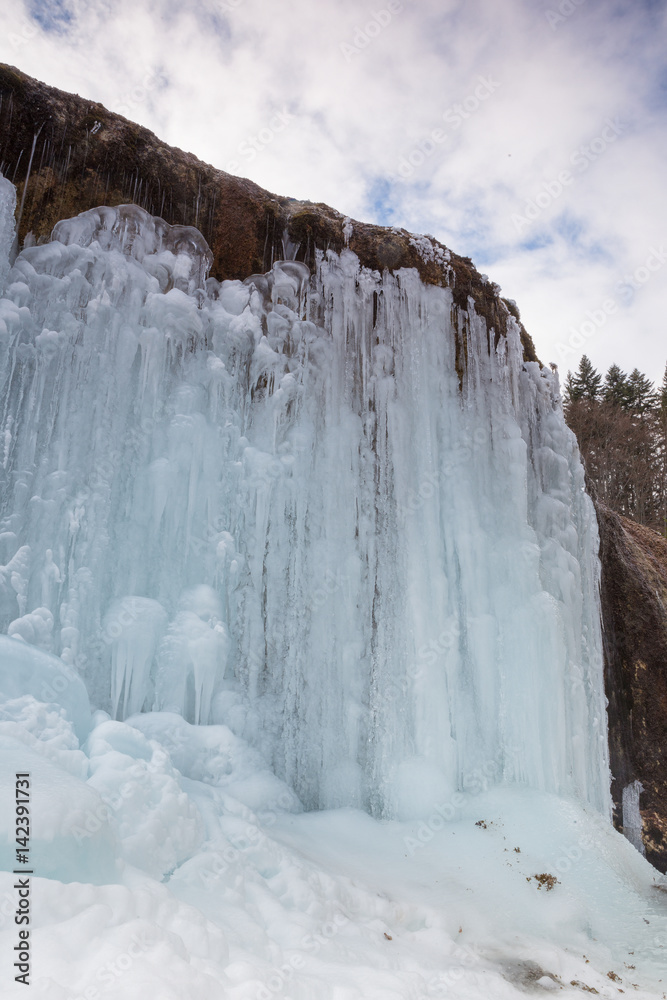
x=297, y=554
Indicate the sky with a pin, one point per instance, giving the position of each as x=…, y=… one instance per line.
x=529, y=135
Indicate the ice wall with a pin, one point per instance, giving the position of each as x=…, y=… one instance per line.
x=328, y=511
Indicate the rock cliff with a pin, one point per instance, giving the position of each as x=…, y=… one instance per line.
x=634, y=615
x=79, y=155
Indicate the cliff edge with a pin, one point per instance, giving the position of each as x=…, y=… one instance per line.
x=76, y=155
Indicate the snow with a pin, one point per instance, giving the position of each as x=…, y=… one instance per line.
x=335, y=607
x=430, y=251
x=70, y=841
x=272, y=903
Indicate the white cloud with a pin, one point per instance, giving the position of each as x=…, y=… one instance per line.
x=209, y=77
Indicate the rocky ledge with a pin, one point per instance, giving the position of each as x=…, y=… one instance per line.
x=75, y=155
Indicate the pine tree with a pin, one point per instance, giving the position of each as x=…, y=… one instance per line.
x=584, y=385
x=661, y=395
x=641, y=396
x=570, y=390
x=615, y=388
x=661, y=432
x=622, y=436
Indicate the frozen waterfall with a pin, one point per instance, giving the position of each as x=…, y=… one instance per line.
x=330, y=511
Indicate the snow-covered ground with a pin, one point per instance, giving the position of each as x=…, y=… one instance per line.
x=180, y=867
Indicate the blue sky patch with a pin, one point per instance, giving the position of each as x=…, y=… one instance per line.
x=51, y=15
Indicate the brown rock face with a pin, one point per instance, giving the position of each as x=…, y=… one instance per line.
x=81, y=155
x=634, y=615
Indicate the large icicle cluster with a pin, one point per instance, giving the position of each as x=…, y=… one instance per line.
x=327, y=511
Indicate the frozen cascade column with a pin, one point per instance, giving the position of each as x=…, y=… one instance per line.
x=289, y=505
x=7, y=228
x=478, y=601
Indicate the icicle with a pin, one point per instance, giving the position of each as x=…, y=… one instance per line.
x=15, y=248
x=632, y=817
x=7, y=228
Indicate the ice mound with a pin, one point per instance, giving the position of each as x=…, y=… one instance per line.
x=511, y=892
x=214, y=755
x=70, y=837
x=121, y=943
x=45, y=729
x=26, y=670
x=178, y=256
x=156, y=823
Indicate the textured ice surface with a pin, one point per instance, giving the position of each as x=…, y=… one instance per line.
x=178, y=256
x=156, y=823
x=26, y=670
x=275, y=505
x=44, y=728
x=7, y=206
x=70, y=839
x=310, y=541
x=632, y=819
